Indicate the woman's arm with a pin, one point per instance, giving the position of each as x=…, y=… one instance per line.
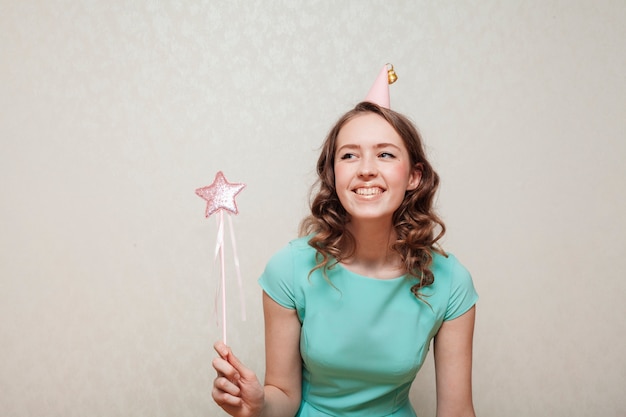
x=453, y=366
x=283, y=363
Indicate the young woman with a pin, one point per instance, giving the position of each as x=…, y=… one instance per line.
x=352, y=306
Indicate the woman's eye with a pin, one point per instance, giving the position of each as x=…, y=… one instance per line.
x=387, y=155
x=347, y=156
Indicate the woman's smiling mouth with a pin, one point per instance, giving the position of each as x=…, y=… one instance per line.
x=367, y=191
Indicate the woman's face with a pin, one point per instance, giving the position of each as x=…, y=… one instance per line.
x=372, y=168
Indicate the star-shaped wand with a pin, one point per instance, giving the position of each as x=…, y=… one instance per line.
x=220, y=197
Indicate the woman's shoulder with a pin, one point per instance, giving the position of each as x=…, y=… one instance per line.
x=298, y=246
x=448, y=268
x=453, y=285
x=301, y=244
x=447, y=261
x=286, y=272
x=295, y=252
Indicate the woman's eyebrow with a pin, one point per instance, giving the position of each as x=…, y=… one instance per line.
x=349, y=146
x=377, y=146
x=385, y=145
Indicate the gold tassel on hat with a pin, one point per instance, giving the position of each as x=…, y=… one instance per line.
x=391, y=74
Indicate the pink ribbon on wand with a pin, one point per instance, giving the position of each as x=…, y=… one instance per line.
x=220, y=196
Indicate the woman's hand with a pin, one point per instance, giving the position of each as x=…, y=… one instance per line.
x=236, y=388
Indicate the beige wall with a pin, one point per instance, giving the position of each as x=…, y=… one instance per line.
x=113, y=112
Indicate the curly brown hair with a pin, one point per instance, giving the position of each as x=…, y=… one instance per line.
x=417, y=227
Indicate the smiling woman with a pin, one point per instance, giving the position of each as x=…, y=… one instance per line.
x=376, y=140
x=373, y=170
x=352, y=306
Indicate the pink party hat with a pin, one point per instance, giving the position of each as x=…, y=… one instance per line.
x=379, y=93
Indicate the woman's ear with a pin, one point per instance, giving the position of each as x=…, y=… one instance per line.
x=415, y=178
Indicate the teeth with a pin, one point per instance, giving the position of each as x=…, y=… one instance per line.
x=368, y=191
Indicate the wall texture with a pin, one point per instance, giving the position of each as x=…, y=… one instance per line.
x=113, y=112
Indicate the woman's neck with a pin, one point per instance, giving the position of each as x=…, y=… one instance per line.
x=373, y=256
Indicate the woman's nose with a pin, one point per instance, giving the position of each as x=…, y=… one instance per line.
x=367, y=168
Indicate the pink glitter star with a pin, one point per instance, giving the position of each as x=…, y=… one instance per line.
x=220, y=195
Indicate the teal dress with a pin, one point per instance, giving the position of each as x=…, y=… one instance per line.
x=362, y=339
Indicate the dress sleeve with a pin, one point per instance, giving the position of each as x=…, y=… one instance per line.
x=462, y=293
x=277, y=279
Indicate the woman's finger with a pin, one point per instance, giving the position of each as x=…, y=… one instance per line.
x=227, y=386
x=227, y=354
x=225, y=369
x=222, y=397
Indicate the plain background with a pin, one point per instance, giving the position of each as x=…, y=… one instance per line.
x=113, y=112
